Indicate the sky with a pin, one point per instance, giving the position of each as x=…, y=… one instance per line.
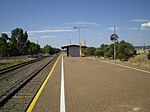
x=52, y=21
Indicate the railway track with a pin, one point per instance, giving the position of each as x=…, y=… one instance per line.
x=8, y=69
x=18, y=95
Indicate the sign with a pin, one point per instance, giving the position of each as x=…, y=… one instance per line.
x=114, y=38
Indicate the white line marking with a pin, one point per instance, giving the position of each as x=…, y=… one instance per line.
x=127, y=67
x=62, y=94
x=136, y=109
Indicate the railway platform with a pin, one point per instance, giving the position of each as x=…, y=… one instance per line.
x=91, y=85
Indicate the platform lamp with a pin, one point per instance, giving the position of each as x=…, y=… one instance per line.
x=80, y=44
x=69, y=41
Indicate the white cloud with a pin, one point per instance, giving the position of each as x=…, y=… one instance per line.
x=7, y=32
x=112, y=28
x=83, y=23
x=145, y=26
x=51, y=30
x=31, y=34
x=100, y=34
x=31, y=37
x=47, y=37
x=59, y=27
x=140, y=20
x=133, y=28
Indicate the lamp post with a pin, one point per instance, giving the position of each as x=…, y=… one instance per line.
x=80, y=44
x=114, y=38
x=69, y=41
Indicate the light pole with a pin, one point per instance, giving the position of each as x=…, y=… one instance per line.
x=114, y=38
x=80, y=44
x=69, y=41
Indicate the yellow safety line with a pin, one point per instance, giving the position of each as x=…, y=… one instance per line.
x=41, y=89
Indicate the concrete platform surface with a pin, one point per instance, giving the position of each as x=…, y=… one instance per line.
x=95, y=86
x=49, y=100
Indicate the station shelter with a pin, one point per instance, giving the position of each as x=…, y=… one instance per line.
x=73, y=50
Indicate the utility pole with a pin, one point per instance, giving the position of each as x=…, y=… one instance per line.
x=69, y=41
x=84, y=42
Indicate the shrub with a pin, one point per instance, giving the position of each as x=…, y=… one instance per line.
x=99, y=52
x=89, y=51
x=125, y=50
x=148, y=56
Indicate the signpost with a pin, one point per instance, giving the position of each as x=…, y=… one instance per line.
x=114, y=38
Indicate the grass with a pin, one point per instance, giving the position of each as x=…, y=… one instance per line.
x=4, y=63
x=140, y=61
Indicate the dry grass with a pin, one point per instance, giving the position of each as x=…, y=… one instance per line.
x=140, y=61
x=4, y=63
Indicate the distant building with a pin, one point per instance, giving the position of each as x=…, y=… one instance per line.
x=141, y=47
x=73, y=50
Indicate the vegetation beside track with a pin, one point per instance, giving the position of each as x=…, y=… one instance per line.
x=140, y=61
x=125, y=54
x=5, y=63
x=19, y=44
x=124, y=50
x=19, y=49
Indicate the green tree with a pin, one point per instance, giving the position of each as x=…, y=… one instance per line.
x=19, y=39
x=57, y=50
x=99, y=52
x=109, y=51
x=3, y=45
x=25, y=49
x=125, y=50
x=103, y=47
x=33, y=48
x=89, y=51
x=48, y=49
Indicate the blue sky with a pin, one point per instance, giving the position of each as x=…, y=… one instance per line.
x=52, y=21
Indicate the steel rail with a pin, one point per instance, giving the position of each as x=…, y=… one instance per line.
x=13, y=90
x=8, y=69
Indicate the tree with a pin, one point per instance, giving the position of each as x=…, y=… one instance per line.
x=19, y=39
x=3, y=45
x=89, y=51
x=5, y=36
x=103, y=46
x=34, y=48
x=99, y=52
x=108, y=50
x=48, y=49
x=125, y=50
